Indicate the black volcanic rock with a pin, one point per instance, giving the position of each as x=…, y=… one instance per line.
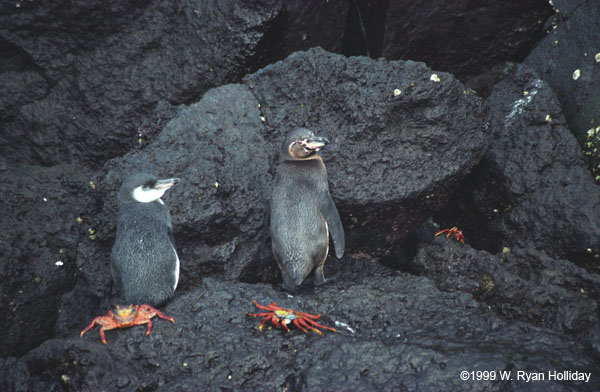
x=531, y=189
x=520, y=284
x=39, y=235
x=571, y=45
x=459, y=37
x=301, y=25
x=401, y=142
x=92, y=74
x=89, y=81
x=395, y=332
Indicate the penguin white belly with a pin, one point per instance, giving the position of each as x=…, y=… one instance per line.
x=176, y=272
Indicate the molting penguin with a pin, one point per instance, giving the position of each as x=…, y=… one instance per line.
x=302, y=213
x=144, y=262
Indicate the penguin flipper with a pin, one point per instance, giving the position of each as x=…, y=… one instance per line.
x=331, y=215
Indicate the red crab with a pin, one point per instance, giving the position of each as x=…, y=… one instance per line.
x=281, y=317
x=454, y=233
x=126, y=317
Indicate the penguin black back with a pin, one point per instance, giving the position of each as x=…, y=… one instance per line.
x=302, y=213
x=144, y=262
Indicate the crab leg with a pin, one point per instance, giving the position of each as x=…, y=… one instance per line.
x=301, y=324
x=320, y=325
x=150, y=326
x=162, y=315
x=262, y=324
x=271, y=307
x=310, y=316
x=91, y=326
x=102, y=336
x=260, y=314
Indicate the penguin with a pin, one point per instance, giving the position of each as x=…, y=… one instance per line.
x=144, y=263
x=302, y=213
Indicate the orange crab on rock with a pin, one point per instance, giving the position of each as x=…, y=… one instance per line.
x=281, y=317
x=454, y=233
x=127, y=316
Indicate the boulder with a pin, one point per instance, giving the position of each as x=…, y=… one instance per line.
x=568, y=59
x=43, y=218
x=531, y=189
x=458, y=37
x=97, y=80
x=520, y=284
x=301, y=25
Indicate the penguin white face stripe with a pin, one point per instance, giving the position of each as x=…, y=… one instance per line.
x=147, y=195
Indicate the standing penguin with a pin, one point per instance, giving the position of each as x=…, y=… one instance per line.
x=144, y=262
x=302, y=213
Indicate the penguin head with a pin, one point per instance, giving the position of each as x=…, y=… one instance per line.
x=302, y=144
x=144, y=188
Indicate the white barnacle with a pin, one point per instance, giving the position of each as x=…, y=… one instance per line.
x=548, y=118
x=590, y=132
x=576, y=74
x=340, y=324
x=216, y=184
x=434, y=78
x=597, y=57
x=397, y=92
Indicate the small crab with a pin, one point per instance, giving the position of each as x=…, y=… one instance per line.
x=124, y=317
x=454, y=233
x=281, y=317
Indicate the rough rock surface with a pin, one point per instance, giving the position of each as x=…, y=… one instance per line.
x=531, y=189
x=401, y=142
x=39, y=234
x=93, y=78
x=88, y=81
x=571, y=45
x=521, y=284
x=301, y=25
x=461, y=38
x=402, y=334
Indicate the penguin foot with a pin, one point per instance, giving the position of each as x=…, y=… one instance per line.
x=319, y=282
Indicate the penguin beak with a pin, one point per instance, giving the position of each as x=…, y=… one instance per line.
x=166, y=183
x=314, y=142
